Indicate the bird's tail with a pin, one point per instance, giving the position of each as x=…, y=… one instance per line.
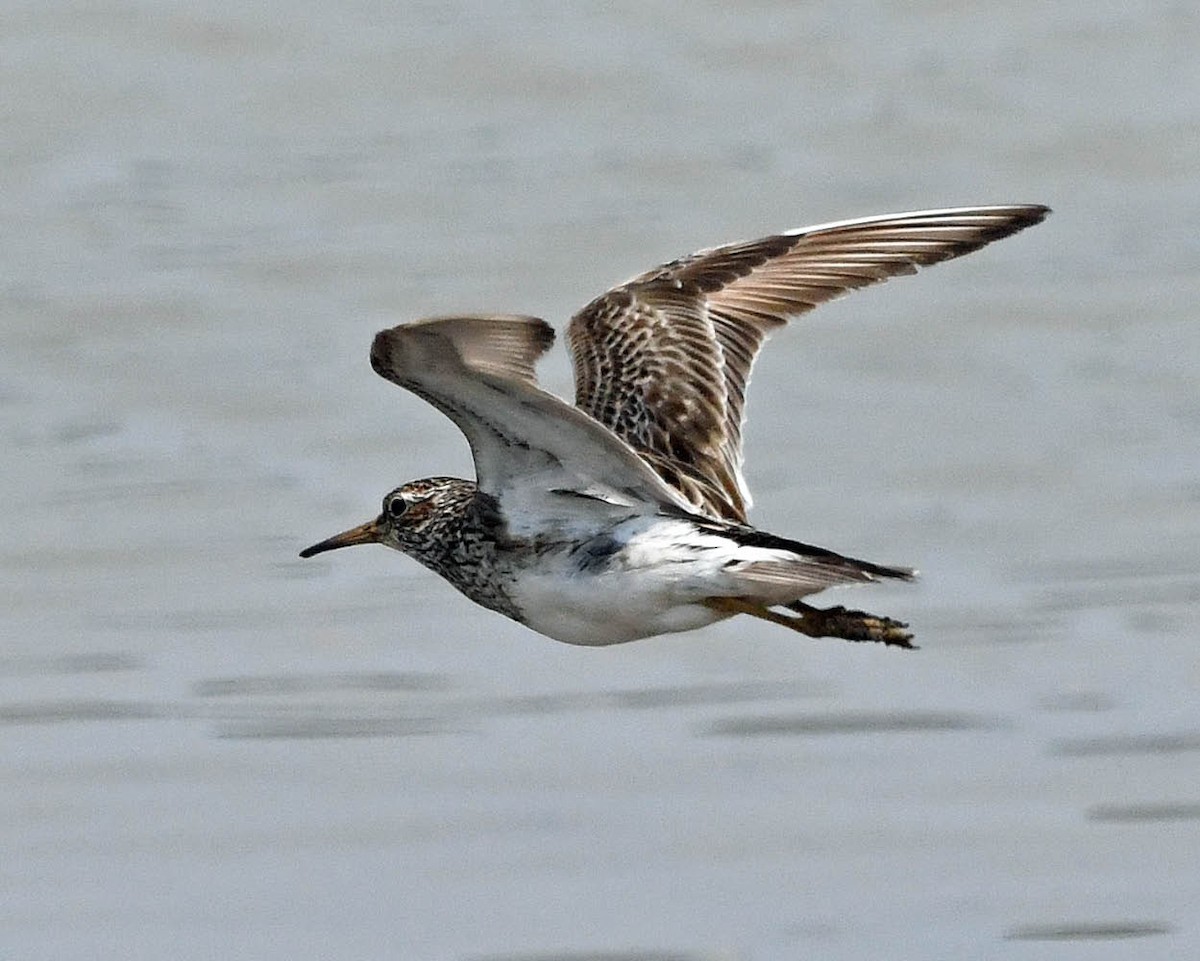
x=794, y=570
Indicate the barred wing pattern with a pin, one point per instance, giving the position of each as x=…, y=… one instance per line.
x=664, y=359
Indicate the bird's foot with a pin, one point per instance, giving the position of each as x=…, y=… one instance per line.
x=852, y=625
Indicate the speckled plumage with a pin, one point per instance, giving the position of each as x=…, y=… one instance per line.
x=625, y=515
x=459, y=534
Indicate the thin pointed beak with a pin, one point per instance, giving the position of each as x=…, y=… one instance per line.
x=368, y=533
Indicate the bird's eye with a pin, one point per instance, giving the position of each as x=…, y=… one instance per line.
x=395, y=505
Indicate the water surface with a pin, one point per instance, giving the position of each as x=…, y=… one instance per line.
x=212, y=748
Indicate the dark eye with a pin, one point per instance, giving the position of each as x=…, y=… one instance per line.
x=395, y=506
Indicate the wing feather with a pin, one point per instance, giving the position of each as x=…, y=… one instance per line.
x=664, y=359
x=526, y=443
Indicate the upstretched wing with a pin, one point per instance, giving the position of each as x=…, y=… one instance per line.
x=527, y=444
x=664, y=359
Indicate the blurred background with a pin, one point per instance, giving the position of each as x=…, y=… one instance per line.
x=212, y=748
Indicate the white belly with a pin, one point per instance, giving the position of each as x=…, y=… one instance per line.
x=653, y=584
x=601, y=609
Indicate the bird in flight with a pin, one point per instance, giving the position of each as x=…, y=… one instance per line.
x=625, y=515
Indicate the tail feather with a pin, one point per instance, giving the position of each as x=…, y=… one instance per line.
x=799, y=569
x=784, y=580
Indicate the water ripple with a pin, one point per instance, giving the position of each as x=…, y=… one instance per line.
x=1140, y=813
x=1100, y=931
x=865, y=722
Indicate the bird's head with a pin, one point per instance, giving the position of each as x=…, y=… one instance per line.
x=409, y=518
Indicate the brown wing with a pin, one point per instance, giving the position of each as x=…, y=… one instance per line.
x=663, y=360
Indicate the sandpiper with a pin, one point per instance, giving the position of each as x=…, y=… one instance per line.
x=624, y=516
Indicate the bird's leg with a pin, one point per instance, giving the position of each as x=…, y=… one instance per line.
x=814, y=622
x=739, y=605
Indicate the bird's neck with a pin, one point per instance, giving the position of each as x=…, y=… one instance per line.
x=465, y=546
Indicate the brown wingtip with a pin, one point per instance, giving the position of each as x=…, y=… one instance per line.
x=507, y=345
x=1025, y=215
x=379, y=352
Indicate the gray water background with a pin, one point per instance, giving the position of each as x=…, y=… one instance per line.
x=213, y=749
